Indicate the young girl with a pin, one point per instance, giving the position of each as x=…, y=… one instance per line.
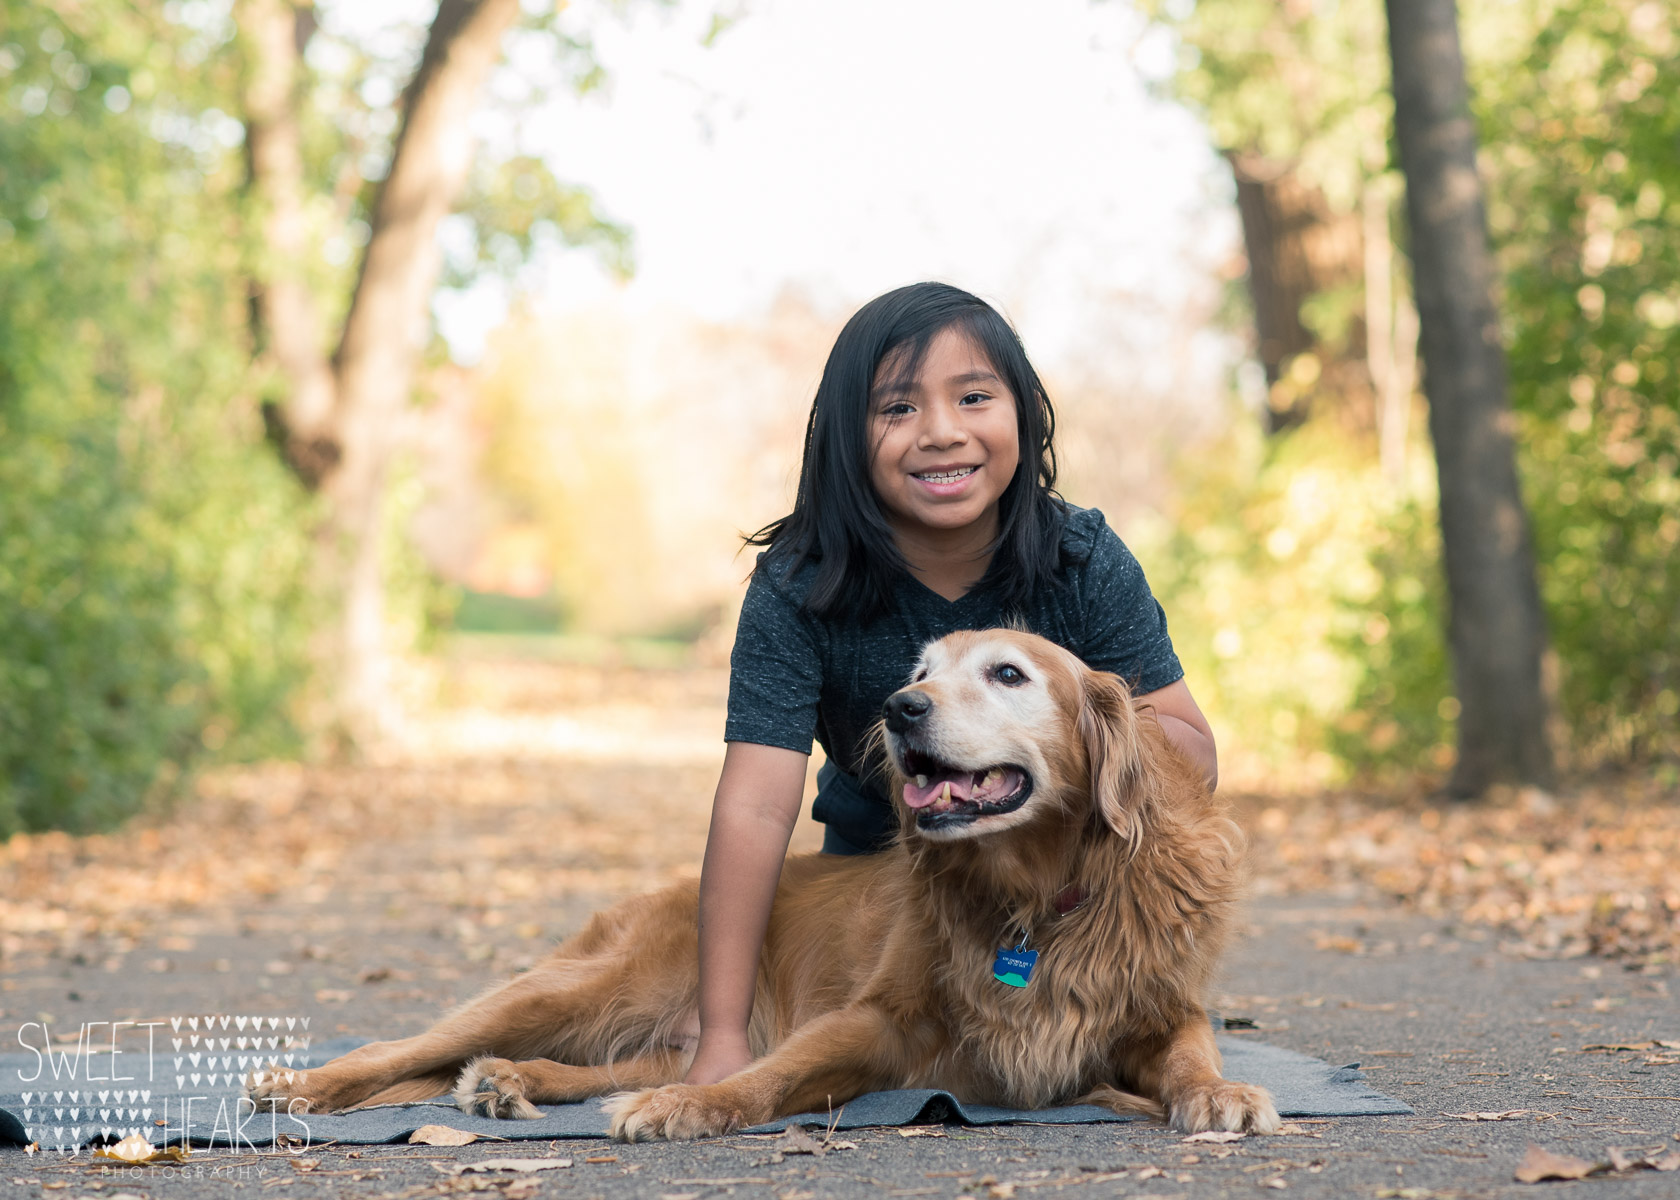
x=925, y=505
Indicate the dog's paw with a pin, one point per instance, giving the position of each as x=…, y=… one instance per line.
x=1226, y=1106
x=677, y=1110
x=282, y=1089
x=493, y=1087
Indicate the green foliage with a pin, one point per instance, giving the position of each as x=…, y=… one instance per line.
x=516, y=206
x=149, y=545
x=1305, y=600
x=1583, y=144
x=1295, y=80
x=1579, y=136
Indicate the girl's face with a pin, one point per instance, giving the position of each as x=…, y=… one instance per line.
x=945, y=443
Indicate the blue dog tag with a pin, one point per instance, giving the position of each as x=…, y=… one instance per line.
x=1014, y=967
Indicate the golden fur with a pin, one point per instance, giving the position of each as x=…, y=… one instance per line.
x=877, y=971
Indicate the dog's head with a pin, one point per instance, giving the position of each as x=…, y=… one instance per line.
x=1001, y=729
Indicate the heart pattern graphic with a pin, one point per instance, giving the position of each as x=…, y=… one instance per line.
x=62, y=1119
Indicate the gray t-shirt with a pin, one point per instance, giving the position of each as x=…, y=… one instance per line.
x=794, y=676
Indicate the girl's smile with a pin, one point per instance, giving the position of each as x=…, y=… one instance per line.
x=945, y=443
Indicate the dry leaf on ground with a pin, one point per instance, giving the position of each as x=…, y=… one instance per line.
x=1541, y=1164
x=1587, y=872
x=795, y=1140
x=1623, y=1160
x=521, y=1165
x=441, y=1135
x=136, y=1151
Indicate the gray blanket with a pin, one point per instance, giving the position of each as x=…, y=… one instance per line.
x=62, y=1115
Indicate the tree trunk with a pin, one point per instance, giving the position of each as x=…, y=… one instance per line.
x=1496, y=626
x=1296, y=248
x=288, y=332
x=338, y=435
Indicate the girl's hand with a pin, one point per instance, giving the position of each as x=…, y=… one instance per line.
x=718, y=1058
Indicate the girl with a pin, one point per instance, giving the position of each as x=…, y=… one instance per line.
x=925, y=505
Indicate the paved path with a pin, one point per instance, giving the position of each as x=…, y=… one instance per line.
x=1436, y=1015
x=371, y=900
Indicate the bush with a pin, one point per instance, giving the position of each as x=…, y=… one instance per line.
x=150, y=546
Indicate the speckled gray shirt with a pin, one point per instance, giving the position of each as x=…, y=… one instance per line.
x=794, y=676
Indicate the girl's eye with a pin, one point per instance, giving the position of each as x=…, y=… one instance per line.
x=1009, y=675
x=898, y=408
x=975, y=398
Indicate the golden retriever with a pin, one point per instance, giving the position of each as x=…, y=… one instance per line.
x=1042, y=813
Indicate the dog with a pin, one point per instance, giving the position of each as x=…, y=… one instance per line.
x=1043, y=932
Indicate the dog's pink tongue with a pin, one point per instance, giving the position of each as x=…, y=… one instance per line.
x=926, y=795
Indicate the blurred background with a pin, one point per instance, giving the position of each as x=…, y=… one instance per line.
x=327, y=434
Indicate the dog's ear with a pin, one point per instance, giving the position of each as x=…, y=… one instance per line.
x=1120, y=760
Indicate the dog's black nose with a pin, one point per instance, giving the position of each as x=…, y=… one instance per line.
x=905, y=708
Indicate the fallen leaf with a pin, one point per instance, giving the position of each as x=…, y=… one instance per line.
x=795, y=1140
x=1511, y=1115
x=910, y=1131
x=1279, y=1182
x=138, y=1152
x=1621, y=1160
x=1216, y=1135
x=441, y=1135
x=1540, y=1164
x=521, y=1165
x=1612, y=1047
x=305, y=1164
x=601, y=1158
x=1150, y=1172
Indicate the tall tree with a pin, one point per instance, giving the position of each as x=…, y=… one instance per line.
x=1496, y=625
x=338, y=417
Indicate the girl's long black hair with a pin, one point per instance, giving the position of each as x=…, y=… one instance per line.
x=837, y=520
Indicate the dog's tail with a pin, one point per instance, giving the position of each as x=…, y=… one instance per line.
x=1124, y=1103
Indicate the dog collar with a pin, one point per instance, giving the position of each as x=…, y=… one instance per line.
x=1069, y=898
x=1014, y=966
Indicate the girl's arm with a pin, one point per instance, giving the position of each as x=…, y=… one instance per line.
x=1185, y=726
x=753, y=814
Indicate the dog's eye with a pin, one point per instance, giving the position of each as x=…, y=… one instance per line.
x=921, y=674
x=1009, y=675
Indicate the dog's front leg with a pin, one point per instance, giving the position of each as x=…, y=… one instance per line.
x=825, y=1063
x=1182, y=1071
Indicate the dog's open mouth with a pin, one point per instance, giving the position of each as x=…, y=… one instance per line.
x=943, y=795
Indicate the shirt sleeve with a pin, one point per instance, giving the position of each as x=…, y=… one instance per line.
x=1125, y=627
x=775, y=671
